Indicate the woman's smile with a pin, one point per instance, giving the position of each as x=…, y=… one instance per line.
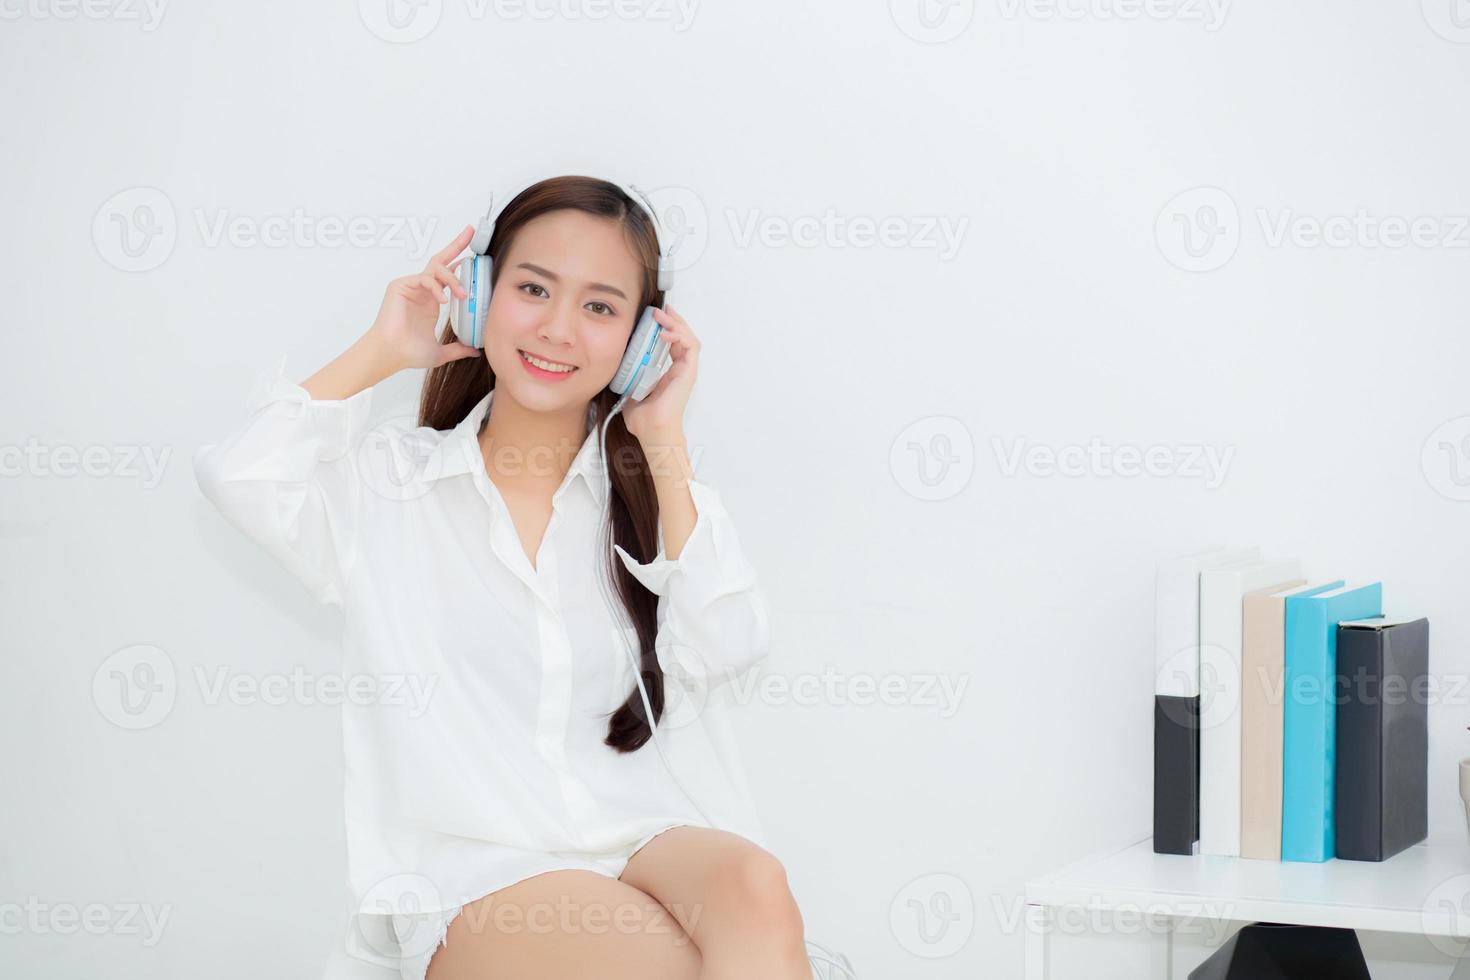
x=547, y=370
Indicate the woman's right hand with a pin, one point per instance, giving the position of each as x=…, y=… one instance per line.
x=405, y=324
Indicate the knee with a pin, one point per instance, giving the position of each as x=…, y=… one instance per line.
x=756, y=892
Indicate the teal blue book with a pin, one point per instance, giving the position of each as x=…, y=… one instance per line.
x=1309, y=722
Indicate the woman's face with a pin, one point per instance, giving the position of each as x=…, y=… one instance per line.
x=566, y=292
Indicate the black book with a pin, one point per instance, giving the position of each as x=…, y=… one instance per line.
x=1382, y=746
x=1176, y=773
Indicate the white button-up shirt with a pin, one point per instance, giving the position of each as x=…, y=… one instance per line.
x=489, y=764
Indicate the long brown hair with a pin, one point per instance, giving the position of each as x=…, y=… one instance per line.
x=452, y=389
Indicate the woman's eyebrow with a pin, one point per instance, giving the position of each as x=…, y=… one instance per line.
x=599, y=287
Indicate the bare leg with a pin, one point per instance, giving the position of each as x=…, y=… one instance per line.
x=731, y=896
x=566, y=925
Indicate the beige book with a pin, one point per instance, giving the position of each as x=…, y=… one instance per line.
x=1262, y=695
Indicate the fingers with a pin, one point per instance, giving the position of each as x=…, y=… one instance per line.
x=435, y=280
x=677, y=330
x=454, y=247
x=443, y=274
x=455, y=351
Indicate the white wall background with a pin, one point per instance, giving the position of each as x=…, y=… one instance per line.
x=1059, y=136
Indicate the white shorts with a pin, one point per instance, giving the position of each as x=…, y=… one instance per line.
x=420, y=935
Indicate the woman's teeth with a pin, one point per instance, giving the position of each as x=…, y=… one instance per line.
x=547, y=365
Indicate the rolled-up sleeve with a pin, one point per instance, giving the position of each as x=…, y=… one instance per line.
x=288, y=479
x=713, y=622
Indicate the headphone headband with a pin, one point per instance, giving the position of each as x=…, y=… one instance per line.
x=485, y=230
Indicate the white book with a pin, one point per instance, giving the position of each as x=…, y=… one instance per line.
x=1176, y=616
x=1222, y=592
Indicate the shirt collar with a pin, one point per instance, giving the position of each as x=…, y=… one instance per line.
x=458, y=452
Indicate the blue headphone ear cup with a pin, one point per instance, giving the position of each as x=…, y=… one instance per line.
x=475, y=274
x=658, y=360
x=636, y=359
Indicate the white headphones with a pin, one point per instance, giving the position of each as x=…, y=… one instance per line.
x=647, y=354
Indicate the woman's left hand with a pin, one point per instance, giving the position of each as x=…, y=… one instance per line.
x=659, y=417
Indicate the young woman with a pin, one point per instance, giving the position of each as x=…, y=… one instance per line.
x=516, y=823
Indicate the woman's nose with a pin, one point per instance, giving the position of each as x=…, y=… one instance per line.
x=556, y=326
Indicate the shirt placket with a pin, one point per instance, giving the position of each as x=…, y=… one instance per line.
x=554, y=703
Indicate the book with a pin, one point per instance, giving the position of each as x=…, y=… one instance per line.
x=1221, y=592
x=1263, y=677
x=1382, y=779
x=1176, y=694
x=1309, y=720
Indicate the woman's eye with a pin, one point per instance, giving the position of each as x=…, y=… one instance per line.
x=601, y=309
x=533, y=285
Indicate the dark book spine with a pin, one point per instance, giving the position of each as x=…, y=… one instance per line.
x=1406, y=737
x=1358, y=783
x=1176, y=774
x=1382, y=746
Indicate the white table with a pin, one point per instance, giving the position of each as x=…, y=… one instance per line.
x=1423, y=890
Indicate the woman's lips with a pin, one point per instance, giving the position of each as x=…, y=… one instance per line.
x=543, y=374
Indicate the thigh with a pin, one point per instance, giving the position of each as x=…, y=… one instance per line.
x=713, y=880
x=565, y=925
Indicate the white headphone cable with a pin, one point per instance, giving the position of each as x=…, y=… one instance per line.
x=823, y=962
x=632, y=657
